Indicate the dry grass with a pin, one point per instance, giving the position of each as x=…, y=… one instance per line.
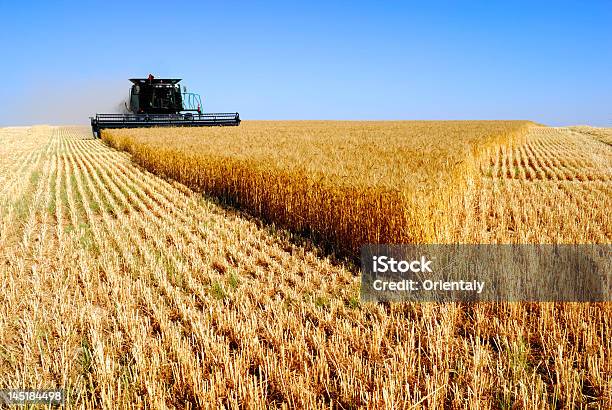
x=349, y=183
x=130, y=291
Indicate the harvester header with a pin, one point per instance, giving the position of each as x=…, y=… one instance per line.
x=160, y=102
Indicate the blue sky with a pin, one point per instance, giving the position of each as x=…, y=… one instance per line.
x=550, y=62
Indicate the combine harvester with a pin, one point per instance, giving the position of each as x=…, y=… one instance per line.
x=159, y=102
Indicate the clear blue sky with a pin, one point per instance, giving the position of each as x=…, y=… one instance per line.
x=546, y=61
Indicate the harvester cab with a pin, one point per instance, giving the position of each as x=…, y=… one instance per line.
x=159, y=102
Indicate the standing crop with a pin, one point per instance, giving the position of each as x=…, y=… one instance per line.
x=347, y=183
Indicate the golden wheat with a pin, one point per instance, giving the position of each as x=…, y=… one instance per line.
x=130, y=291
x=350, y=183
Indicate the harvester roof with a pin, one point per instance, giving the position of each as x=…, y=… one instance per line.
x=155, y=80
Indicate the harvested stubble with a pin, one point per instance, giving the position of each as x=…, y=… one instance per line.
x=601, y=134
x=348, y=183
x=555, y=187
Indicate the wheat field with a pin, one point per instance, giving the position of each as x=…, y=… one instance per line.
x=129, y=290
x=348, y=183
